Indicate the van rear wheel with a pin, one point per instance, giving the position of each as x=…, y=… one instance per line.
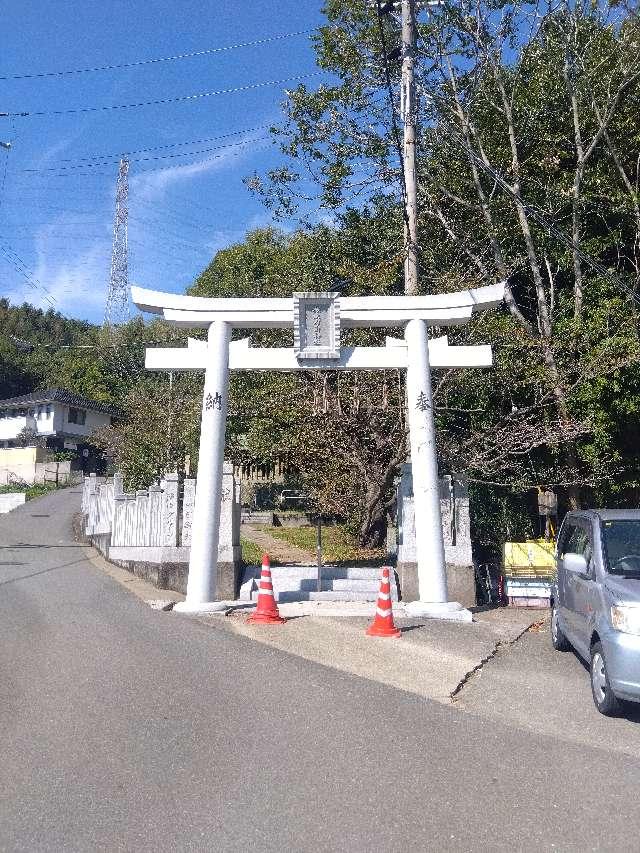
x=604, y=699
x=560, y=642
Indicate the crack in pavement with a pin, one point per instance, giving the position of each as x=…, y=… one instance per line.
x=499, y=646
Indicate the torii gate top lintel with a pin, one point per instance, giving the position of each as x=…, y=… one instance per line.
x=329, y=313
x=442, y=309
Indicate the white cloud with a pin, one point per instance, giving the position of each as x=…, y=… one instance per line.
x=75, y=286
x=78, y=285
x=153, y=184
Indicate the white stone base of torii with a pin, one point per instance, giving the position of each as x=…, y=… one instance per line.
x=317, y=319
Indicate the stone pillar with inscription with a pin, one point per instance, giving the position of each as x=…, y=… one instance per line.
x=202, y=592
x=170, y=510
x=229, y=556
x=454, y=509
x=188, y=505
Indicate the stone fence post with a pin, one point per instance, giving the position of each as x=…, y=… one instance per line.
x=119, y=520
x=142, y=518
x=130, y=519
x=156, y=501
x=118, y=487
x=88, y=497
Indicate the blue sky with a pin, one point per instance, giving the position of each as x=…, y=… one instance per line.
x=56, y=221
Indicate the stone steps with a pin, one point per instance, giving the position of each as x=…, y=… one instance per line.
x=300, y=583
x=328, y=571
x=287, y=595
x=356, y=584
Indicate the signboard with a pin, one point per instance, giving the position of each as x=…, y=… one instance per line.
x=316, y=325
x=533, y=558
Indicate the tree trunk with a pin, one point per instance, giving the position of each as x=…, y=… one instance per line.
x=373, y=527
x=373, y=531
x=559, y=394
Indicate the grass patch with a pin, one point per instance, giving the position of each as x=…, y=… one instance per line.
x=40, y=489
x=252, y=553
x=35, y=491
x=13, y=489
x=338, y=546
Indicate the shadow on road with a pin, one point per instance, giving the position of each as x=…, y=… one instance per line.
x=20, y=545
x=406, y=628
x=43, y=572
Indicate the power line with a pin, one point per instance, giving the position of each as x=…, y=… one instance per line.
x=81, y=170
x=168, y=145
x=178, y=99
x=99, y=163
x=139, y=62
x=21, y=267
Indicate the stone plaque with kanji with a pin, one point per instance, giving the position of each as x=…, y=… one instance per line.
x=316, y=327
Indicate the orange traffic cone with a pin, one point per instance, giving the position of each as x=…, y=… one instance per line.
x=383, y=625
x=267, y=609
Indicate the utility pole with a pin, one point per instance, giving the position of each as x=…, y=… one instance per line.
x=430, y=573
x=117, y=307
x=409, y=117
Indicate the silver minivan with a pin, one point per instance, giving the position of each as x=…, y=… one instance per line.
x=595, y=601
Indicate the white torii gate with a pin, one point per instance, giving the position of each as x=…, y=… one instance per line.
x=317, y=319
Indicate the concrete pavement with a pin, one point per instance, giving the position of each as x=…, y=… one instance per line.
x=433, y=658
x=125, y=728
x=535, y=688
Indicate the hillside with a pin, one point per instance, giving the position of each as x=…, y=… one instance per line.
x=30, y=342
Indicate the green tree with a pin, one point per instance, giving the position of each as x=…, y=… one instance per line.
x=527, y=116
x=158, y=432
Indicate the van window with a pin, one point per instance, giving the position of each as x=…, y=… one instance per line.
x=580, y=543
x=565, y=536
x=622, y=546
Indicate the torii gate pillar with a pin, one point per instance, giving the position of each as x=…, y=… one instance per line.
x=432, y=569
x=203, y=558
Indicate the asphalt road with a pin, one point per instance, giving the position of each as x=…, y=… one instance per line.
x=124, y=728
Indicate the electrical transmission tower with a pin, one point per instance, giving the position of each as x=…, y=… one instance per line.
x=117, y=309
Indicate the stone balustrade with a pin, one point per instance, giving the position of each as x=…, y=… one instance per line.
x=150, y=531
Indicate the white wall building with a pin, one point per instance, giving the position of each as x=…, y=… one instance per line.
x=64, y=420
